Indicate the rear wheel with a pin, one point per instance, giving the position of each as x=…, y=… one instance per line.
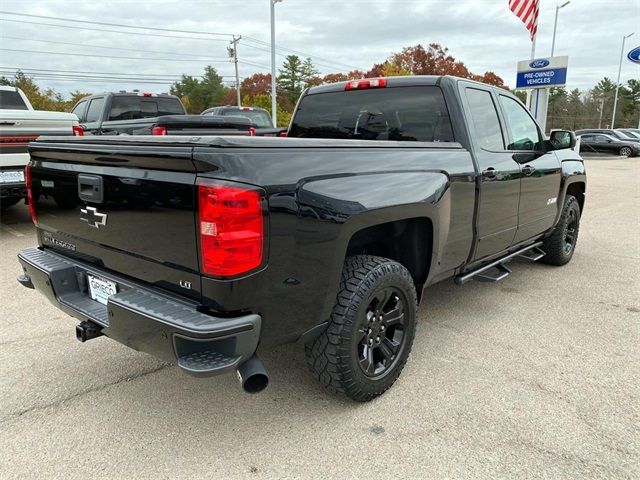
x=370, y=332
x=559, y=247
x=625, y=151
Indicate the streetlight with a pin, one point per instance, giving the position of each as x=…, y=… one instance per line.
x=615, y=99
x=553, y=48
x=555, y=26
x=274, y=106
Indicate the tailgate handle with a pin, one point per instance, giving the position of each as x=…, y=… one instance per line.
x=90, y=188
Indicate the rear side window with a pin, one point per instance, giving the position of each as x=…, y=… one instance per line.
x=12, y=100
x=400, y=113
x=134, y=107
x=95, y=110
x=79, y=110
x=485, y=119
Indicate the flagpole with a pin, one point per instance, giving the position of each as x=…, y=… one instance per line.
x=533, y=56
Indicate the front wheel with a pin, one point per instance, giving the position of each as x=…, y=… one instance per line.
x=625, y=151
x=370, y=332
x=561, y=244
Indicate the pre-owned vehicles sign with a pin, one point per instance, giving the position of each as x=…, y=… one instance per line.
x=542, y=72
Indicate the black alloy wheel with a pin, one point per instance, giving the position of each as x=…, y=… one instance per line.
x=382, y=331
x=370, y=332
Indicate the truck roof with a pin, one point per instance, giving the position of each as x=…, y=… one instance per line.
x=403, y=81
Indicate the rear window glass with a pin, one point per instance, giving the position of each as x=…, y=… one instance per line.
x=257, y=117
x=400, y=113
x=134, y=107
x=11, y=100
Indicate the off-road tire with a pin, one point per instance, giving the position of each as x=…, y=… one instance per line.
x=333, y=357
x=555, y=246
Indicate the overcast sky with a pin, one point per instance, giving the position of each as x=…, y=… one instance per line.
x=337, y=34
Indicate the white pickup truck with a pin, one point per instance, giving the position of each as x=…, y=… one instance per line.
x=19, y=125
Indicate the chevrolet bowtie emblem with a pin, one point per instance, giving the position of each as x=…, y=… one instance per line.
x=94, y=218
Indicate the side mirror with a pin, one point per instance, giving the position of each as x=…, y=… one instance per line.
x=561, y=139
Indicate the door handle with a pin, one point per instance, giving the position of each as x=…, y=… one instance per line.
x=528, y=170
x=490, y=173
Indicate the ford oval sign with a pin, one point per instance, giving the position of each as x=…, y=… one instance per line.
x=539, y=63
x=634, y=55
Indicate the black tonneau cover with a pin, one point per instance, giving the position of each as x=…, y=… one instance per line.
x=197, y=121
x=235, y=142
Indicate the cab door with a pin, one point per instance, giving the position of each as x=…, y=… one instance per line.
x=541, y=170
x=499, y=179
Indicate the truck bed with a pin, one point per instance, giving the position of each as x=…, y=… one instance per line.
x=311, y=187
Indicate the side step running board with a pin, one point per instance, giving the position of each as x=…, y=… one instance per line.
x=534, y=254
x=500, y=273
x=530, y=252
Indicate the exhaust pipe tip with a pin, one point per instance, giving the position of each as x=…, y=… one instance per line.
x=253, y=376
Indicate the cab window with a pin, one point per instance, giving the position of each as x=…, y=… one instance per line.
x=95, y=110
x=484, y=118
x=524, y=131
x=79, y=110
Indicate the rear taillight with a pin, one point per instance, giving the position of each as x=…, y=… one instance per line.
x=282, y=134
x=252, y=132
x=159, y=131
x=366, y=83
x=231, y=228
x=78, y=131
x=32, y=205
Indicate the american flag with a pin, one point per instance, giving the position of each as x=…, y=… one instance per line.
x=527, y=11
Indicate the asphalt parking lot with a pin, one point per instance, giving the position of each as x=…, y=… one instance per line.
x=535, y=377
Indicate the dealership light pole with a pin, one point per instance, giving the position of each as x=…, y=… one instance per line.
x=274, y=106
x=553, y=49
x=615, y=98
x=555, y=26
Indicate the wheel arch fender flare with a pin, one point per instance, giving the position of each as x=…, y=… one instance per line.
x=358, y=202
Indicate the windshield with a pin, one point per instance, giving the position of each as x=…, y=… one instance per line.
x=400, y=113
x=12, y=100
x=625, y=135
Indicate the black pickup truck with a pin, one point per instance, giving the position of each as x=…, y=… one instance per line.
x=141, y=113
x=204, y=251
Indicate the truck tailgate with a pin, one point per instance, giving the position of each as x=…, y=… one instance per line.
x=129, y=209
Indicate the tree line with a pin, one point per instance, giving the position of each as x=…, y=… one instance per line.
x=572, y=109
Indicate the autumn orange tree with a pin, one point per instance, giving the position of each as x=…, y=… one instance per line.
x=433, y=60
